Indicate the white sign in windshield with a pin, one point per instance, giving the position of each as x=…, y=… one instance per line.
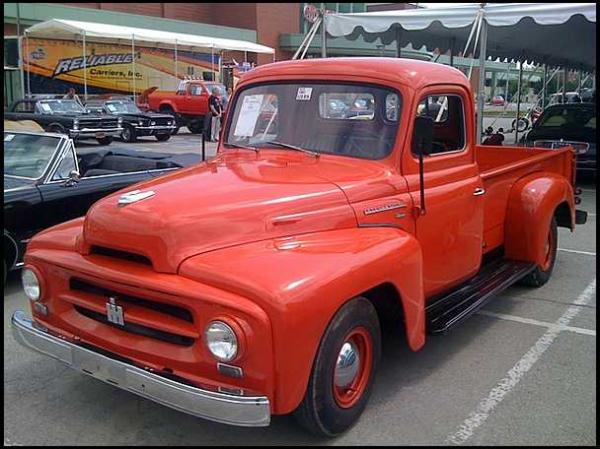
x=45, y=107
x=248, y=116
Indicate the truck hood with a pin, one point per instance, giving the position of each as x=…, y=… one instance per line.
x=238, y=197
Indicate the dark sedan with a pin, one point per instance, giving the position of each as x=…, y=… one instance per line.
x=135, y=122
x=568, y=124
x=67, y=117
x=43, y=185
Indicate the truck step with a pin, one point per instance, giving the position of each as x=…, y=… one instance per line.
x=450, y=309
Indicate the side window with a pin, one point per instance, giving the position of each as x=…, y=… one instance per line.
x=66, y=165
x=195, y=90
x=447, y=112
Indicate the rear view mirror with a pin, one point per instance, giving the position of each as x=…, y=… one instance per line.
x=423, y=135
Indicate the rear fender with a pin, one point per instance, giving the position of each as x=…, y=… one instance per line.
x=302, y=281
x=532, y=203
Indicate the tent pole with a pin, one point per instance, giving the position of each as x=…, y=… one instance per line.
x=28, y=67
x=518, y=101
x=85, y=93
x=221, y=66
x=398, y=42
x=323, y=36
x=578, y=81
x=212, y=62
x=133, y=63
x=452, y=41
x=481, y=88
x=564, y=89
x=544, y=86
x=176, y=68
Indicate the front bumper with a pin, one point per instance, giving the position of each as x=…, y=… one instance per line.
x=154, y=130
x=215, y=406
x=94, y=132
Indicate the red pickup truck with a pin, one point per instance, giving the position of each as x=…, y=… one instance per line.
x=258, y=283
x=189, y=104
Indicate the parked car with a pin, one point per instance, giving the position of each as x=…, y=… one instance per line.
x=135, y=122
x=67, y=117
x=498, y=100
x=570, y=97
x=569, y=124
x=47, y=181
x=189, y=104
x=257, y=284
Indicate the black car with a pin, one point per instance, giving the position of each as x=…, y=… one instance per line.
x=568, y=124
x=135, y=122
x=66, y=117
x=43, y=185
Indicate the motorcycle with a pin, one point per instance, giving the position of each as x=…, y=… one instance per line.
x=493, y=138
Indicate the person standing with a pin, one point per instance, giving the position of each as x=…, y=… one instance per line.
x=71, y=95
x=216, y=109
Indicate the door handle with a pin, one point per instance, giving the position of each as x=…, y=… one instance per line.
x=479, y=191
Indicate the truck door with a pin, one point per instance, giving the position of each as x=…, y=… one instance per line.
x=451, y=229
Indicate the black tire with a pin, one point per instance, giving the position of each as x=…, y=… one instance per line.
x=196, y=126
x=163, y=137
x=523, y=124
x=128, y=134
x=320, y=411
x=541, y=275
x=56, y=128
x=105, y=140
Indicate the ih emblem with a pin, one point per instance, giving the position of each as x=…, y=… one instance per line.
x=114, y=312
x=134, y=196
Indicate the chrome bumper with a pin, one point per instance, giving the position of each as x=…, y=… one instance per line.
x=224, y=408
x=91, y=132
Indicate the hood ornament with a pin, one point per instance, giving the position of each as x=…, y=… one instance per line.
x=134, y=196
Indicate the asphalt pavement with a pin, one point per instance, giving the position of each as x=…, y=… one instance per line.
x=520, y=372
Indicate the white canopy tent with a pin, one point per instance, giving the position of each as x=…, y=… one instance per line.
x=554, y=34
x=117, y=34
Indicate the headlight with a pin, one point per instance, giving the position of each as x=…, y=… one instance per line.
x=221, y=341
x=31, y=284
x=120, y=121
x=76, y=124
x=140, y=123
x=152, y=123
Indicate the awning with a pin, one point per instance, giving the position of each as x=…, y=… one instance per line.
x=556, y=34
x=106, y=33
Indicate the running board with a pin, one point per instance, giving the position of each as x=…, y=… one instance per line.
x=447, y=311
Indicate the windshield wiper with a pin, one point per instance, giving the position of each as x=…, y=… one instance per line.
x=245, y=147
x=292, y=147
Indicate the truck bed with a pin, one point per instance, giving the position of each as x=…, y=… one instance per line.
x=501, y=166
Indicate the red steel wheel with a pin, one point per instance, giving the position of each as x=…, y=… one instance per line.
x=550, y=250
x=353, y=367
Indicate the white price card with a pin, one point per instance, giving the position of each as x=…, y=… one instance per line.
x=304, y=93
x=248, y=116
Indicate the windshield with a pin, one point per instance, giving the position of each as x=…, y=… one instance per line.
x=221, y=87
x=27, y=155
x=343, y=119
x=122, y=106
x=60, y=107
x=568, y=117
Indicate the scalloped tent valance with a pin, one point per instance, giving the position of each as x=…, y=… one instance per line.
x=556, y=34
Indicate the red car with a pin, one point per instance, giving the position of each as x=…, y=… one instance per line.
x=498, y=100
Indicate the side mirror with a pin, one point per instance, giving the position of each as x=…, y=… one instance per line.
x=73, y=179
x=423, y=136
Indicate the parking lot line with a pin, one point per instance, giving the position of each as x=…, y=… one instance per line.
x=518, y=319
x=576, y=251
x=516, y=373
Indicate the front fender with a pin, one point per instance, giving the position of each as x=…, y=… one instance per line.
x=302, y=281
x=532, y=202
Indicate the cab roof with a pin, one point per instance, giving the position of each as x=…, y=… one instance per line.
x=404, y=71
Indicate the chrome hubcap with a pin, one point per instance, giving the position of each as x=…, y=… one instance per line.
x=346, y=368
